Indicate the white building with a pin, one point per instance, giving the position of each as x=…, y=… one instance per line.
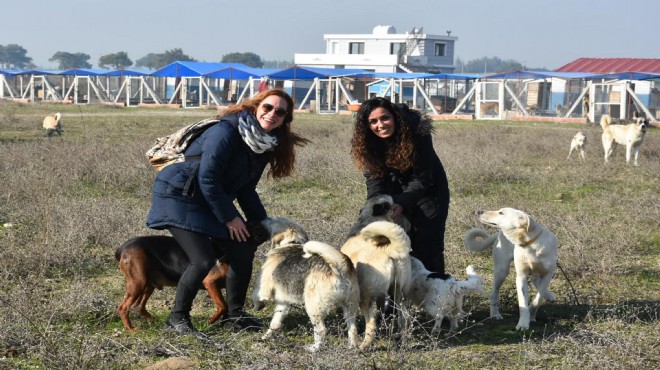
x=384, y=50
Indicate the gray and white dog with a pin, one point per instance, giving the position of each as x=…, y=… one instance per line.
x=299, y=271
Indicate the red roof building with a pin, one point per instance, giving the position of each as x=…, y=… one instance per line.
x=612, y=65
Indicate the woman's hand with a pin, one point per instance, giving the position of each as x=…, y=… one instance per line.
x=237, y=230
x=397, y=211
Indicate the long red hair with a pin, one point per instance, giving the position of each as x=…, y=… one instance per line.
x=283, y=160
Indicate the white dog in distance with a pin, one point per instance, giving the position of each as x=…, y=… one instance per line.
x=578, y=144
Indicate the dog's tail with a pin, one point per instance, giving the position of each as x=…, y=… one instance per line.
x=605, y=121
x=478, y=240
x=338, y=261
x=385, y=234
x=474, y=283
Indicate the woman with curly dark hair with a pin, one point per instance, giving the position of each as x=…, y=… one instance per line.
x=392, y=145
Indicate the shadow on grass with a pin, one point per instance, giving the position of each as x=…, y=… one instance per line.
x=551, y=320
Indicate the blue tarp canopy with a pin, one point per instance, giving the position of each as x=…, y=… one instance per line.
x=84, y=72
x=130, y=72
x=454, y=76
x=41, y=72
x=310, y=73
x=10, y=72
x=194, y=69
x=626, y=76
x=233, y=73
x=388, y=75
x=538, y=74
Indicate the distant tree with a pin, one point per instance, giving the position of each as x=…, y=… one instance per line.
x=278, y=63
x=148, y=61
x=486, y=65
x=118, y=60
x=157, y=61
x=14, y=56
x=70, y=60
x=249, y=59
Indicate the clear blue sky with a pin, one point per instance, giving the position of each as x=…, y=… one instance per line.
x=537, y=33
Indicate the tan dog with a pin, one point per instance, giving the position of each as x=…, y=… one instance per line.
x=631, y=136
x=298, y=271
x=441, y=298
x=532, y=247
x=53, y=124
x=494, y=106
x=381, y=255
x=578, y=143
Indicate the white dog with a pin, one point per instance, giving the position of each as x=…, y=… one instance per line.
x=381, y=255
x=578, y=144
x=441, y=298
x=631, y=135
x=532, y=247
x=298, y=271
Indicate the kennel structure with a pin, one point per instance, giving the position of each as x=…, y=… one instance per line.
x=544, y=95
x=565, y=95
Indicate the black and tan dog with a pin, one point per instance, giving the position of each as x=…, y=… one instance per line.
x=150, y=262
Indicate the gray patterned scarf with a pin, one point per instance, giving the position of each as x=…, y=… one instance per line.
x=253, y=135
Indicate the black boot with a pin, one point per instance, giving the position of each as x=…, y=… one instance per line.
x=179, y=318
x=236, y=317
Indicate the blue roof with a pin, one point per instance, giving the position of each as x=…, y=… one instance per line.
x=84, y=72
x=626, y=76
x=310, y=73
x=10, y=72
x=193, y=69
x=233, y=73
x=129, y=72
x=538, y=74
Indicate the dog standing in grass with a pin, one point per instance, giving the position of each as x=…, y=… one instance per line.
x=533, y=250
x=578, y=143
x=441, y=297
x=631, y=136
x=300, y=271
x=53, y=124
x=154, y=261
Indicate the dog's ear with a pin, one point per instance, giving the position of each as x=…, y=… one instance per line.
x=523, y=221
x=276, y=240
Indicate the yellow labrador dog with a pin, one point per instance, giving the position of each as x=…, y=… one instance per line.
x=533, y=249
x=631, y=136
x=380, y=252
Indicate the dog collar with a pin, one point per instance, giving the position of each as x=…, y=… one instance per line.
x=530, y=241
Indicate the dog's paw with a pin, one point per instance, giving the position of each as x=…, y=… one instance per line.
x=495, y=313
x=259, y=305
x=313, y=347
x=268, y=335
x=522, y=325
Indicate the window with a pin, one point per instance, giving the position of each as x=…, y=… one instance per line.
x=395, y=47
x=356, y=48
x=440, y=49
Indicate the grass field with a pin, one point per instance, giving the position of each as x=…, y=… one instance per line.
x=68, y=202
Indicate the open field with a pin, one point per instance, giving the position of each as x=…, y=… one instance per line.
x=73, y=199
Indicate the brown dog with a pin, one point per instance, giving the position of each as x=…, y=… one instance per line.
x=150, y=262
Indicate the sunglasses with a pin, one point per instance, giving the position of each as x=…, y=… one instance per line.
x=280, y=112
